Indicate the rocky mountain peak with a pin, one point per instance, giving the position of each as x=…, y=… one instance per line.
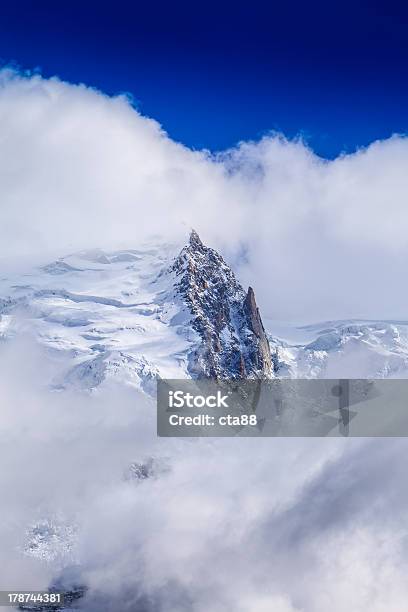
x=233, y=340
x=195, y=240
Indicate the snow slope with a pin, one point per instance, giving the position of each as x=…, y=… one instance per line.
x=342, y=349
x=103, y=314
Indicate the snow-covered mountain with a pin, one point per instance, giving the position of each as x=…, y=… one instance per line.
x=138, y=314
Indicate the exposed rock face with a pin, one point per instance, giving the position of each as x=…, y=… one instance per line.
x=263, y=354
x=234, y=343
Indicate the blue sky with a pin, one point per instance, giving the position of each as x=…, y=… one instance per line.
x=215, y=73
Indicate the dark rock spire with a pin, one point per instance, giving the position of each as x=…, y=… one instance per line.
x=233, y=340
x=195, y=240
x=256, y=326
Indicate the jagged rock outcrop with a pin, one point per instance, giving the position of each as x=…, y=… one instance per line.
x=256, y=326
x=233, y=339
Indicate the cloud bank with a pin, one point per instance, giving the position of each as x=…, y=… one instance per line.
x=252, y=525
x=318, y=239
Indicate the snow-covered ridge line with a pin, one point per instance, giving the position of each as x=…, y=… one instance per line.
x=343, y=349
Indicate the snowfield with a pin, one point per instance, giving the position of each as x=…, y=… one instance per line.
x=103, y=315
x=343, y=349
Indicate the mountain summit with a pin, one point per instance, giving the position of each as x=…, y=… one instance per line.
x=136, y=315
x=233, y=339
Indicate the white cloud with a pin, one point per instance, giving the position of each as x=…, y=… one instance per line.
x=79, y=167
x=293, y=525
x=323, y=238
